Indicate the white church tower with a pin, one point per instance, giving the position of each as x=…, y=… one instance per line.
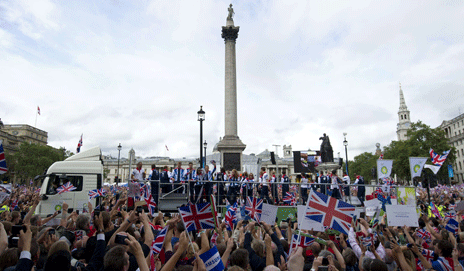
x=404, y=123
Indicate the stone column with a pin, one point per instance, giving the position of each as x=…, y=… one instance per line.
x=230, y=34
x=230, y=147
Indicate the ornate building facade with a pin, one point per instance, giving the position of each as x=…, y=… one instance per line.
x=454, y=132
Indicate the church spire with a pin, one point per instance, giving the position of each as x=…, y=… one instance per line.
x=403, y=106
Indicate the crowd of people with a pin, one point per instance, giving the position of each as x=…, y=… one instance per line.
x=111, y=237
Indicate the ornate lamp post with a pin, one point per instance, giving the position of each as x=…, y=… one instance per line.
x=345, y=143
x=119, y=156
x=201, y=118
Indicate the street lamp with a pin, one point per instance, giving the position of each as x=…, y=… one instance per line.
x=119, y=156
x=201, y=118
x=345, y=143
x=204, y=146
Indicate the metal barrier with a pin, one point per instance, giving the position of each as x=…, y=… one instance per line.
x=222, y=190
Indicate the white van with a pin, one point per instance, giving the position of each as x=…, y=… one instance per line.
x=85, y=172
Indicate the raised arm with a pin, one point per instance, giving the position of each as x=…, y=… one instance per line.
x=27, y=218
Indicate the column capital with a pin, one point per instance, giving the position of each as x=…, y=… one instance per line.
x=230, y=33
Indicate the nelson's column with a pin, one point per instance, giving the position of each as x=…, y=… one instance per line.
x=230, y=147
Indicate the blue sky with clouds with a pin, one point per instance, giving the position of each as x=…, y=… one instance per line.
x=136, y=72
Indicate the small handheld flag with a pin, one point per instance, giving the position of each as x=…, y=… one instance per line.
x=67, y=187
x=3, y=168
x=79, y=145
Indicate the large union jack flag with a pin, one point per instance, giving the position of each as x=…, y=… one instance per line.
x=329, y=211
x=231, y=217
x=197, y=216
x=157, y=243
x=254, y=208
x=97, y=193
x=290, y=198
x=151, y=205
x=437, y=159
x=3, y=168
x=67, y=187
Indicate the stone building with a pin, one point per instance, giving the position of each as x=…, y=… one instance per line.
x=454, y=132
x=14, y=134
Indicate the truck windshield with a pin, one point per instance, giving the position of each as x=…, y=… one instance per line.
x=55, y=181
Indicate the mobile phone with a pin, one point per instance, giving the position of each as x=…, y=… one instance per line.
x=70, y=210
x=325, y=261
x=77, y=211
x=59, y=212
x=17, y=228
x=362, y=215
x=119, y=214
x=139, y=209
x=96, y=212
x=409, y=245
x=13, y=241
x=51, y=231
x=121, y=239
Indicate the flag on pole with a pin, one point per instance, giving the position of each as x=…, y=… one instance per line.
x=79, y=144
x=212, y=260
x=452, y=226
x=329, y=211
x=157, y=243
x=214, y=210
x=197, y=216
x=416, y=164
x=437, y=159
x=67, y=187
x=38, y=110
x=433, y=168
x=3, y=168
x=254, y=208
x=384, y=168
x=435, y=211
x=151, y=205
x=166, y=147
x=97, y=193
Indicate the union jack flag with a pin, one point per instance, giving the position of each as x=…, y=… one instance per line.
x=428, y=254
x=197, y=216
x=157, y=243
x=450, y=215
x=3, y=168
x=214, y=238
x=443, y=264
x=290, y=198
x=145, y=190
x=367, y=241
x=437, y=159
x=381, y=156
x=79, y=145
x=97, y=193
x=151, y=205
x=329, y=211
x=254, y=208
x=435, y=211
x=67, y=187
x=304, y=242
x=79, y=234
x=231, y=217
x=421, y=233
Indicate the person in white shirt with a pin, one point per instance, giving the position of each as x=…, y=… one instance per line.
x=304, y=187
x=346, y=189
x=335, y=185
x=138, y=173
x=264, y=180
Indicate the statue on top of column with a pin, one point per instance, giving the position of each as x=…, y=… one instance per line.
x=326, y=149
x=231, y=13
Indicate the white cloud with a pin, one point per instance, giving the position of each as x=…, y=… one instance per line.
x=136, y=73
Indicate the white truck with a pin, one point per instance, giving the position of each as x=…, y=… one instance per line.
x=83, y=170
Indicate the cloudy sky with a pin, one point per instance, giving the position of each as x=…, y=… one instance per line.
x=136, y=72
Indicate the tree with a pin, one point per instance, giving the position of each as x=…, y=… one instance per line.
x=32, y=159
x=362, y=165
x=421, y=138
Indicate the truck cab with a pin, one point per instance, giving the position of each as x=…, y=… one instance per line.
x=83, y=170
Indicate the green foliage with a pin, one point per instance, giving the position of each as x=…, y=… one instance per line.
x=421, y=138
x=32, y=159
x=362, y=165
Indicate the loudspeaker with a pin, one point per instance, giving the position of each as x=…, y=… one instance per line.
x=273, y=158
